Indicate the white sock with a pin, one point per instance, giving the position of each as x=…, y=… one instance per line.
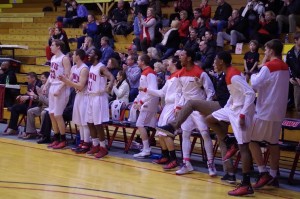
x=186, y=144
x=102, y=144
x=81, y=132
x=146, y=145
x=86, y=134
x=262, y=169
x=208, y=145
x=273, y=173
x=95, y=141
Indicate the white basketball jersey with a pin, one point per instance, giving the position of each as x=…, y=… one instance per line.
x=75, y=74
x=97, y=83
x=57, y=68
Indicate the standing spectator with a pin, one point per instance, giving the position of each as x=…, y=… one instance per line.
x=270, y=111
x=23, y=105
x=183, y=29
x=133, y=73
x=90, y=29
x=107, y=51
x=82, y=14
x=293, y=61
x=251, y=59
x=137, y=30
x=148, y=29
x=223, y=12
x=8, y=76
x=289, y=15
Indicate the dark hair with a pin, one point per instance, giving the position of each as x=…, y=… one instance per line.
x=175, y=60
x=32, y=75
x=134, y=57
x=197, y=10
x=80, y=53
x=98, y=53
x=190, y=53
x=297, y=35
x=226, y=57
x=124, y=78
x=59, y=43
x=145, y=58
x=275, y=45
x=46, y=74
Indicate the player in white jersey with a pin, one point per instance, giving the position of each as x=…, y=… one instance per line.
x=168, y=92
x=239, y=111
x=97, y=108
x=78, y=80
x=272, y=85
x=147, y=104
x=194, y=83
x=58, y=93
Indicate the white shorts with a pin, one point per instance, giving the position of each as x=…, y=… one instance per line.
x=79, y=109
x=57, y=104
x=242, y=135
x=146, y=119
x=97, y=110
x=266, y=131
x=194, y=121
x=166, y=116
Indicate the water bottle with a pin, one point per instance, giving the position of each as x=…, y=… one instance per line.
x=286, y=38
x=7, y=80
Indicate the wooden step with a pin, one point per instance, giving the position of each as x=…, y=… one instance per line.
x=71, y=32
x=15, y=2
x=16, y=19
x=38, y=69
x=37, y=25
x=23, y=15
x=33, y=5
x=35, y=44
x=6, y=37
x=48, y=19
x=22, y=52
x=6, y=5
x=124, y=39
x=16, y=10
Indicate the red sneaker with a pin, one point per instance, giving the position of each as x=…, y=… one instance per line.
x=264, y=179
x=60, y=145
x=83, y=149
x=78, y=146
x=93, y=150
x=231, y=152
x=242, y=190
x=53, y=144
x=162, y=160
x=102, y=152
x=172, y=165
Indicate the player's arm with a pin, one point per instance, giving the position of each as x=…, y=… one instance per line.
x=104, y=71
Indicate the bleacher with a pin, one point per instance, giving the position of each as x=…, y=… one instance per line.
x=24, y=23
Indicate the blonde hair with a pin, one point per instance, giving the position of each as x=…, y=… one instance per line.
x=153, y=53
x=159, y=66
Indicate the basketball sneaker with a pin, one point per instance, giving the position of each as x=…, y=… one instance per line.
x=242, y=190
x=162, y=160
x=229, y=178
x=60, y=145
x=263, y=179
x=93, y=150
x=102, y=152
x=171, y=165
x=211, y=168
x=143, y=154
x=53, y=144
x=231, y=152
x=185, y=168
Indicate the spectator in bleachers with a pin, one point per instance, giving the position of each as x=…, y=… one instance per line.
x=289, y=15
x=202, y=28
x=58, y=34
x=153, y=55
x=105, y=30
x=90, y=29
x=121, y=87
x=205, y=11
x=192, y=43
x=293, y=61
x=206, y=56
x=195, y=22
x=209, y=38
x=42, y=102
x=155, y=4
x=181, y=5
x=236, y=31
x=71, y=13
x=268, y=29
x=132, y=50
x=273, y=5
x=220, y=19
x=118, y=14
x=88, y=45
x=133, y=73
x=23, y=104
x=47, y=49
x=140, y=6
x=113, y=66
x=183, y=29
x=137, y=30
x=160, y=74
x=256, y=6
x=251, y=59
x=8, y=76
x=82, y=14
x=170, y=42
x=148, y=29
x=107, y=51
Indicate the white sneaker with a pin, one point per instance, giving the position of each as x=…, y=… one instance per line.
x=211, y=169
x=142, y=154
x=185, y=168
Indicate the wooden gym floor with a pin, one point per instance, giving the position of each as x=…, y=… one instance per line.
x=29, y=170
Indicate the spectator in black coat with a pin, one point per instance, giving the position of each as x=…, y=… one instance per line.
x=289, y=15
x=219, y=21
x=206, y=56
x=7, y=75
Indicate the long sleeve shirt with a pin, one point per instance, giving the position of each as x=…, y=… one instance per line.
x=272, y=85
x=82, y=11
x=133, y=75
x=122, y=92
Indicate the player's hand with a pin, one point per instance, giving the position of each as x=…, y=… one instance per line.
x=108, y=89
x=62, y=78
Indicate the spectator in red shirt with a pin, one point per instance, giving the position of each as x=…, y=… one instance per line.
x=184, y=26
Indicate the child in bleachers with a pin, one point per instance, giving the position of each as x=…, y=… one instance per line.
x=251, y=59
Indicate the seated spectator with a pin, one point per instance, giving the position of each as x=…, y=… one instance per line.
x=121, y=87
x=289, y=15
x=107, y=51
x=71, y=13
x=183, y=29
x=273, y=5
x=219, y=21
x=8, y=76
x=206, y=56
x=148, y=29
x=195, y=22
x=236, y=31
x=89, y=29
x=209, y=38
x=42, y=102
x=184, y=5
x=170, y=42
x=205, y=11
x=251, y=59
x=118, y=15
x=202, y=28
x=88, y=45
x=192, y=43
x=268, y=29
x=256, y=6
x=23, y=104
x=133, y=73
x=82, y=14
x=105, y=30
x=160, y=74
x=113, y=66
x=155, y=4
x=154, y=56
